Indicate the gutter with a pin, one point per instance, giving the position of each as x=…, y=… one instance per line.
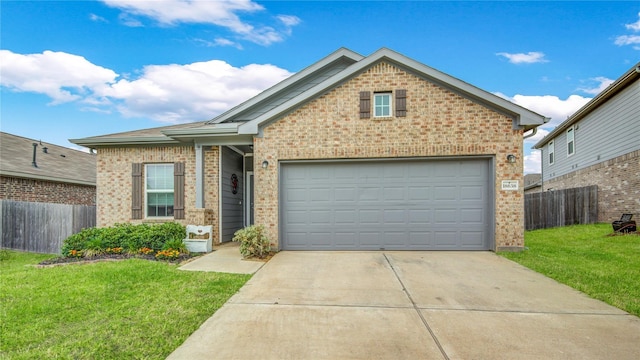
x=45, y=178
x=92, y=143
x=620, y=84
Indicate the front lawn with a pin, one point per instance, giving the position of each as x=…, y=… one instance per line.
x=584, y=257
x=130, y=309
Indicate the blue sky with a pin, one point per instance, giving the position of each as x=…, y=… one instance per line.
x=72, y=69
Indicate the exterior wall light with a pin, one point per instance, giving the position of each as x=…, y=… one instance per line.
x=511, y=158
x=265, y=164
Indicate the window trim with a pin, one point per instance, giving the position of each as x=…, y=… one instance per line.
x=157, y=191
x=571, y=131
x=551, y=148
x=389, y=96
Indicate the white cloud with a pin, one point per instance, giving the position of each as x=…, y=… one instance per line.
x=522, y=58
x=289, y=20
x=130, y=21
x=179, y=93
x=552, y=107
x=222, y=13
x=623, y=40
x=219, y=42
x=169, y=93
x=634, y=26
x=224, y=42
x=532, y=163
x=633, y=40
x=97, y=18
x=61, y=76
x=603, y=84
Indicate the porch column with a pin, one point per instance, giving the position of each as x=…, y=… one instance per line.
x=199, y=176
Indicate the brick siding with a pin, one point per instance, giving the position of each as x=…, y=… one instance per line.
x=618, y=183
x=33, y=190
x=114, y=183
x=438, y=123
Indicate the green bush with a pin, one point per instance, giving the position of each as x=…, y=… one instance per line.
x=131, y=238
x=175, y=244
x=78, y=241
x=253, y=242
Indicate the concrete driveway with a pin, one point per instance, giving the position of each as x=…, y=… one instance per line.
x=410, y=305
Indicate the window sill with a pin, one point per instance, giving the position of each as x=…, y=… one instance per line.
x=386, y=118
x=157, y=220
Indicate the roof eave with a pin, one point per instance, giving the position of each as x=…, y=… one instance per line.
x=46, y=178
x=336, y=55
x=218, y=134
x=99, y=142
x=621, y=83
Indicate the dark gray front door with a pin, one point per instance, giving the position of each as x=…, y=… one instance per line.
x=232, y=194
x=391, y=205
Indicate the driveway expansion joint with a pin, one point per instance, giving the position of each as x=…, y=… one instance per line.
x=417, y=309
x=323, y=305
x=533, y=312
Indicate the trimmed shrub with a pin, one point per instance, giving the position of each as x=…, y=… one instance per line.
x=128, y=237
x=79, y=241
x=253, y=242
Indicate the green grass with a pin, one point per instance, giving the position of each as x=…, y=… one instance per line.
x=584, y=257
x=131, y=309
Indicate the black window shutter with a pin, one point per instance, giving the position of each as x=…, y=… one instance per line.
x=136, y=191
x=178, y=190
x=401, y=103
x=365, y=104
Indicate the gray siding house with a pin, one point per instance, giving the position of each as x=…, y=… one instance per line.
x=599, y=145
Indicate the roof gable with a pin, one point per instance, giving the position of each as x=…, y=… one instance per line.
x=290, y=87
x=523, y=118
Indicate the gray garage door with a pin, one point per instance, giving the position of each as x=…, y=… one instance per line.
x=386, y=205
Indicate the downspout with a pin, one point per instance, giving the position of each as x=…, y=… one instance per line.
x=533, y=133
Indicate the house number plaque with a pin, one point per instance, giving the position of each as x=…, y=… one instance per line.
x=510, y=185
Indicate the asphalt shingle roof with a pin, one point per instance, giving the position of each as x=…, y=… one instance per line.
x=58, y=163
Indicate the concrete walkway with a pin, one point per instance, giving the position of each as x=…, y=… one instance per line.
x=409, y=305
x=224, y=258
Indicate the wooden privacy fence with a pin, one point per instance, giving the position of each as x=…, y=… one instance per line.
x=42, y=227
x=561, y=207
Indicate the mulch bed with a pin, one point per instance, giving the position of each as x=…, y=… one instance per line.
x=57, y=261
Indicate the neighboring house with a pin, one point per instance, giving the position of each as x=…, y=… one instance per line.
x=532, y=183
x=353, y=152
x=35, y=171
x=599, y=145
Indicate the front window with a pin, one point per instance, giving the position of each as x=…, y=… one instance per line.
x=571, y=147
x=382, y=105
x=551, y=152
x=159, y=190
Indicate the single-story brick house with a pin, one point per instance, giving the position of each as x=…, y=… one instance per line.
x=36, y=171
x=353, y=152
